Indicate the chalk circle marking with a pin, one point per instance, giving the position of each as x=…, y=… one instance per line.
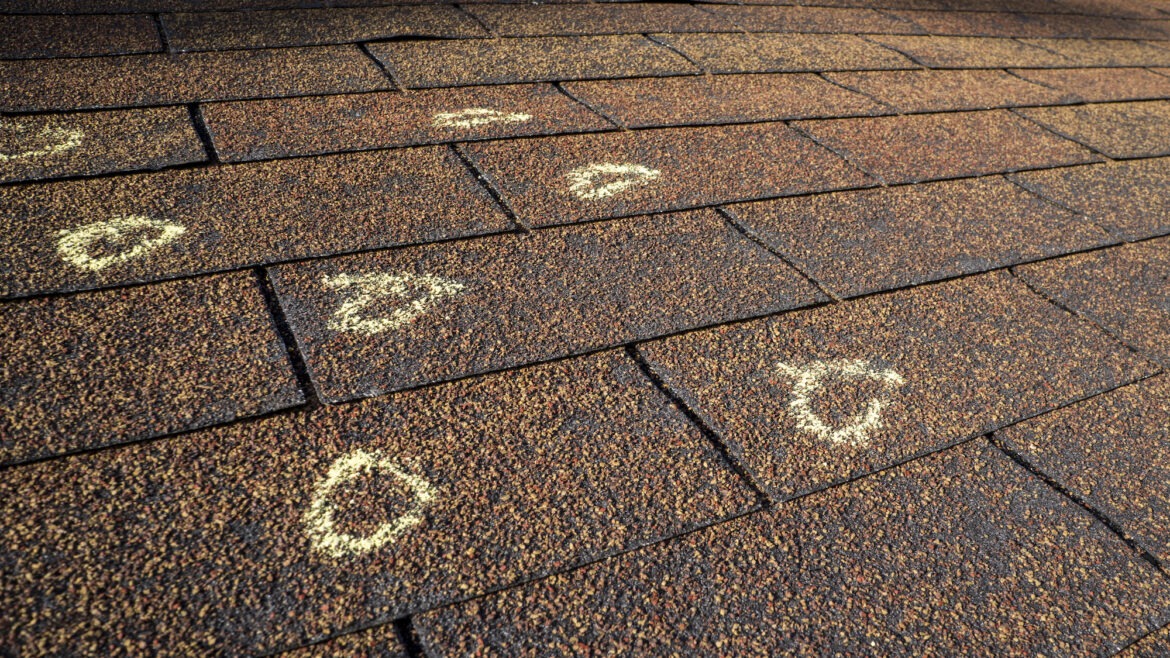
x=59, y=139
x=585, y=181
x=365, y=289
x=811, y=378
x=321, y=526
x=473, y=117
x=74, y=244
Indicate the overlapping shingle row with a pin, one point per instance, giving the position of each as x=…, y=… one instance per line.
x=584, y=327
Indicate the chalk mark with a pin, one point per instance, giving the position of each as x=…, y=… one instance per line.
x=63, y=139
x=811, y=378
x=585, y=181
x=473, y=117
x=74, y=244
x=367, y=288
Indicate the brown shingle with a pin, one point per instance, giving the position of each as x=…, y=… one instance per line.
x=994, y=24
x=774, y=53
x=820, y=396
x=378, y=642
x=534, y=20
x=150, y=226
x=391, y=320
x=1097, y=85
x=923, y=147
x=252, y=130
x=814, y=19
x=1154, y=645
x=555, y=180
x=53, y=145
x=870, y=240
x=265, y=535
x=1103, y=52
x=1119, y=130
x=63, y=84
x=691, y=100
x=496, y=61
x=103, y=368
x=972, y=52
x=932, y=91
x=309, y=27
x=961, y=553
x=1129, y=199
x=77, y=36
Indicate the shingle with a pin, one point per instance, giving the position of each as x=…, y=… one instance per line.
x=82, y=234
x=923, y=147
x=871, y=240
x=1096, y=85
x=390, y=320
x=1102, y=52
x=1123, y=289
x=1111, y=452
x=715, y=99
x=961, y=553
x=1119, y=130
x=252, y=130
x=534, y=20
x=501, y=61
x=932, y=91
x=1123, y=8
x=1154, y=645
x=308, y=27
x=775, y=53
x=77, y=36
x=266, y=535
x=104, y=368
x=380, y=642
x=972, y=52
x=994, y=24
x=556, y=180
x=1129, y=199
x=91, y=82
x=814, y=19
x=53, y=145
x=816, y=397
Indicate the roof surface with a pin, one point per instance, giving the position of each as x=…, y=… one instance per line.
x=356, y=327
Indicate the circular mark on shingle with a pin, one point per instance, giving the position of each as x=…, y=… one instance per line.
x=477, y=116
x=319, y=521
x=419, y=291
x=589, y=182
x=125, y=237
x=811, y=378
x=55, y=140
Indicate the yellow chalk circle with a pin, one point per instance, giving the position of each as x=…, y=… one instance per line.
x=811, y=378
x=585, y=181
x=60, y=139
x=366, y=288
x=477, y=116
x=75, y=244
x=319, y=523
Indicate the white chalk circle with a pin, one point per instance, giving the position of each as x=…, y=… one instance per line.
x=141, y=232
x=586, y=182
x=365, y=289
x=477, y=116
x=813, y=377
x=319, y=522
x=57, y=140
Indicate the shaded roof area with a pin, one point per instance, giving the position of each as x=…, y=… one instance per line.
x=354, y=327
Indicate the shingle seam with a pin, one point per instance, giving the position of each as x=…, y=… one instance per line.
x=589, y=106
x=385, y=67
x=204, y=134
x=1062, y=135
x=893, y=109
x=888, y=12
x=731, y=218
x=663, y=44
x=475, y=17
x=1086, y=217
x=408, y=637
x=163, y=36
x=1138, y=640
x=492, y=188
x=292, y=349
x=844, y=155
x=909, y=56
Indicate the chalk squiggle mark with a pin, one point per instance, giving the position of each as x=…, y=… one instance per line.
x=811, y=378
x=584, y=181
x=74, y=244
x=367, y=288
x=477, y=116
x=63, y=139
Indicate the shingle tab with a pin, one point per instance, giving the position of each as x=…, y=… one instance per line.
x=109, y=367
x=82, y=234
x=502, y=61
x=933, y=91
x=1154, y=645
x=253, y=130
x=1104, y=52
x=556, y=180
x=1097, y=85
x=1119, y=130
x=309, y=27
x=535, y=20
x=816, y=397
x=385, y=321
x=1110, y=452
x=1129, y=199
x=378, y=642
x=77, y=36
x=996, y=24
x=961, y=553
x=870, y=240
x=716, y=99
x=1123, y=289
x=53, y=145
x=814, y=19
x=93, y=82
x=972, y=52
x=266, y=535
x=916, y=148
x=775, y=53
